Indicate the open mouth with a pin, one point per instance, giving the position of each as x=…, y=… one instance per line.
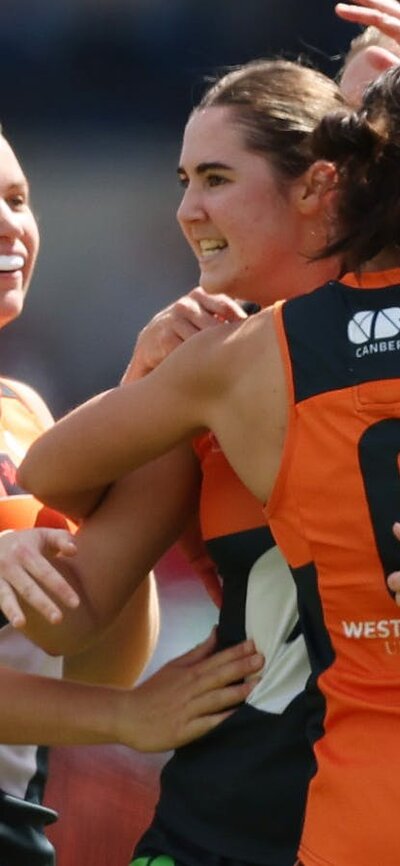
x=210, y=246
x=11, y=263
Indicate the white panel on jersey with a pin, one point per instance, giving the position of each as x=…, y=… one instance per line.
x=271, y=615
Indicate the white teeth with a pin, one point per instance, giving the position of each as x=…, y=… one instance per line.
x=11, y=263
x=208, y=245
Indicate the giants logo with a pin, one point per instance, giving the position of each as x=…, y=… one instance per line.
x=374, y=325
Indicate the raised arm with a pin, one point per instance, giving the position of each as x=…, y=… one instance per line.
x=118, y=431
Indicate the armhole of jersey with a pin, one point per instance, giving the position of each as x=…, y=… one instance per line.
x=287, y=451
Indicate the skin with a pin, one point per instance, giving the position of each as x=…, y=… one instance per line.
x=212, y=199
x=232, y=196
x=370, y=62
x=209, y=200
x=181, y=702
x=213, y=381
x=383, y=14
x=47, y=711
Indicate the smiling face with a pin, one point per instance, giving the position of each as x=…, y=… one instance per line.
x=237, y=216
x=19, y=236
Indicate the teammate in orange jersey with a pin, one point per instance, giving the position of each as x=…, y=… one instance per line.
x=238, y=204
x=37, y=708
x=305, y=401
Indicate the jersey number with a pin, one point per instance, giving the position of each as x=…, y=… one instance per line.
x=379, y=449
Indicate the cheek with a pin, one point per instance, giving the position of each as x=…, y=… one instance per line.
x=32, y=241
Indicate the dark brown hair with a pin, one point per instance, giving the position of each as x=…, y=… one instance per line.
x=365, y=146
x=277, y=103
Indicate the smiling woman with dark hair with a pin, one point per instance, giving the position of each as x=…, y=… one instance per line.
x=313, y=431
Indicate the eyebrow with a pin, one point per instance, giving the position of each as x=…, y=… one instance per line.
x=202, y=167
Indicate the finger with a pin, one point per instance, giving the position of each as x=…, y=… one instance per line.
x=210, y=660
x=184, y=329
x=59, y=541
x=237, y=654
x=39, y=569
x=10, y=606
x=32, y=594
x=394, y=581
x=212, y=709
x=389, y=7
x=219, y=305
x=387, y=24
x=396, y=530
x=227, y=674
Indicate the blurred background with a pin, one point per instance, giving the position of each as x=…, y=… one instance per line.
x=95, y=96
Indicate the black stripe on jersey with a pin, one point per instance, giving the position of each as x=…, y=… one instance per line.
x=234, y=556
x=315, y=632
x=323, y=356
x=378, y=455
x=319, y=645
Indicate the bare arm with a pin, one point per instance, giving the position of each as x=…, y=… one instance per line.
x=120, y=654
x=118, y=431
x=184, y=700
x=117, y=546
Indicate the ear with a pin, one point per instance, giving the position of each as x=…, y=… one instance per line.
x=315, y=190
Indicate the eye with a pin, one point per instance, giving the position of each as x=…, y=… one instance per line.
x=17, y=201
x=183, y=181
x=216, y=180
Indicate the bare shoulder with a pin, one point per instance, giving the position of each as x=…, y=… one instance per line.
x=31, y=399
x=247, y=343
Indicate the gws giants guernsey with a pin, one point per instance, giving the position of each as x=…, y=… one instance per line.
x=331, y=512
x=240, y=791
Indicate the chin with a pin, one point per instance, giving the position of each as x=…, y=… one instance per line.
x=216, y=285
x=10, y=311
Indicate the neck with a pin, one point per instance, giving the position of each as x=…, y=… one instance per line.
x=384, y=261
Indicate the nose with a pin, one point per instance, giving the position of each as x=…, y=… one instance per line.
x=191, y=207
x=10, y=221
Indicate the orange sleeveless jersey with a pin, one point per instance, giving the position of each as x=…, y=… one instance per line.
x=331, y=511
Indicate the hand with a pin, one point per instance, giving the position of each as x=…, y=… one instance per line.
x=24, y=566
x=188, y=697
x=178, y=322
x=383, y=14
x=394, y=578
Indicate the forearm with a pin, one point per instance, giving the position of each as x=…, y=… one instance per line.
x=117, y=546
x=51, y=712
x=182, y=701
x=119, y=656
